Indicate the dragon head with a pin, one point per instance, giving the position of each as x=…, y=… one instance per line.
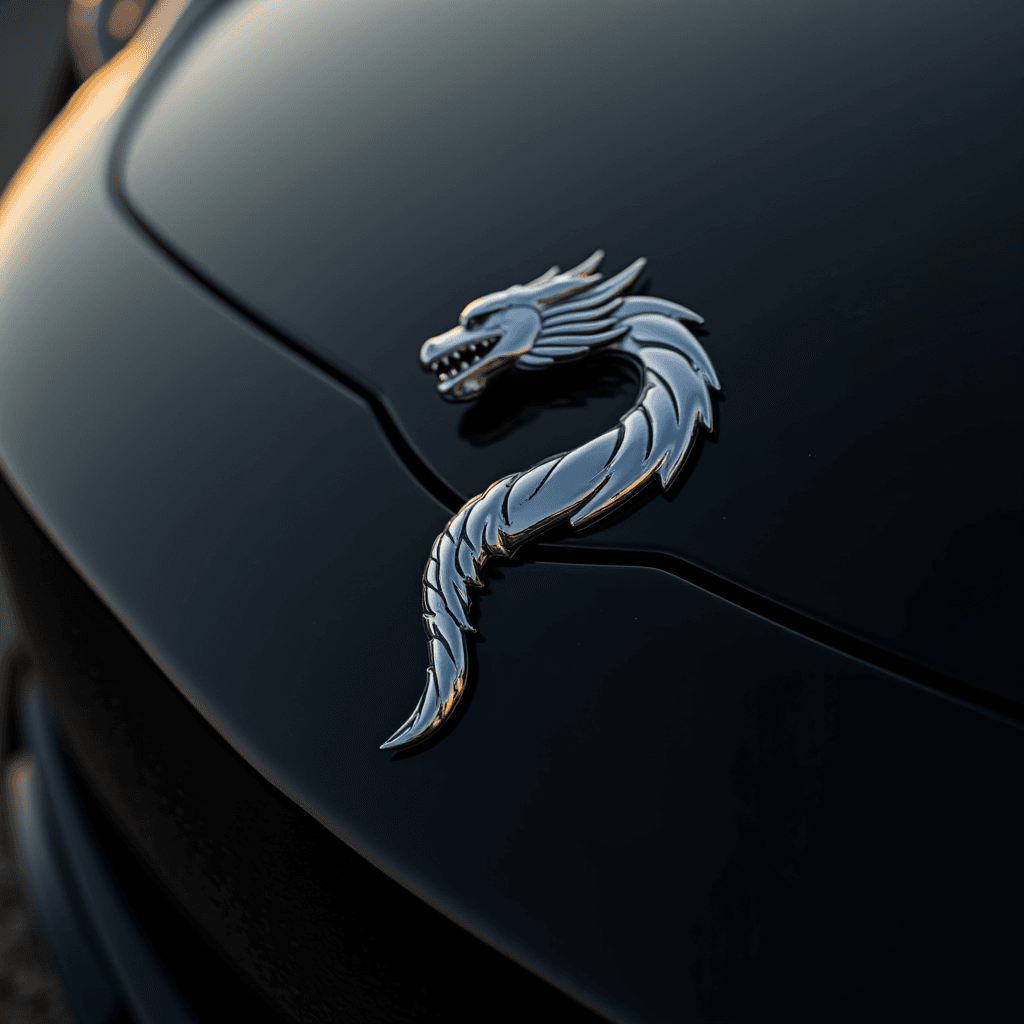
x=501, y=330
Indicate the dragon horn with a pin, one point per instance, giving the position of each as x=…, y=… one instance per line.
x=588, y=266
x=544, y=278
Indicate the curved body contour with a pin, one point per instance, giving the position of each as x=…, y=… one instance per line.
x=555, y=318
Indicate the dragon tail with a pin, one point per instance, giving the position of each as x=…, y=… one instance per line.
x=455, y=563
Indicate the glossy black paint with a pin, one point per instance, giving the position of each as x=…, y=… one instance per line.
x=784, y=836
x=833, y=186
x=708, y=816
x=255, y=910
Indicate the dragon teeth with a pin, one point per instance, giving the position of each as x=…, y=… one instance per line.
x=461, y=359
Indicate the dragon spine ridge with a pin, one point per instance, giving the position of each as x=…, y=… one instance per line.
x=583, y=485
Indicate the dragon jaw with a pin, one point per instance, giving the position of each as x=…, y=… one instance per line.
x=484, y=344
x=497, y=330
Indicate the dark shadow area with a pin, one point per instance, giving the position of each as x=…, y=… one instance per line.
x=519, y=396
x=63, y=85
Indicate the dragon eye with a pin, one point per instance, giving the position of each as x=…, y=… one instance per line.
x=477, y=321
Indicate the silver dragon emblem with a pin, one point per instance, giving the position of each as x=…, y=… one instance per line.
x=556, y=318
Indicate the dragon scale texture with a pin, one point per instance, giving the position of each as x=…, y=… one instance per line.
x=652, y=440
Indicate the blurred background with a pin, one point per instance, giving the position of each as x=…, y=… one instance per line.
x=47, y=49
x=37, y=74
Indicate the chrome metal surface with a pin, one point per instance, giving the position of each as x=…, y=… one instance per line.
x=555, y=318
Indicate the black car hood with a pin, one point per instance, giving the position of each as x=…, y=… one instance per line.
x=655, y=798
x=827, y=185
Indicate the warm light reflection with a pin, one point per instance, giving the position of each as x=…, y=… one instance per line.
x=20, y=775
x=55, y=158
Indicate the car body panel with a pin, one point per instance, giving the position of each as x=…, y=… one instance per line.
x=832, y=187
x=658, y=800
